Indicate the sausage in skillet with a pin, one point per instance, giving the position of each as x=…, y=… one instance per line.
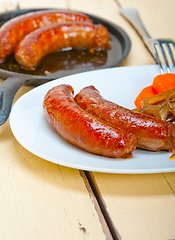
x=55, y=37
x=15, y=29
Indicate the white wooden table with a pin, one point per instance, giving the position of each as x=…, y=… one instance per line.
x=42, y=200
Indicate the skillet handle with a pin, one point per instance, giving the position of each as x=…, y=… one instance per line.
x=8, y=89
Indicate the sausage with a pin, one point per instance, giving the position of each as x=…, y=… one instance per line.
x=15, y=29
x=57, y=36
x=152, y=134
x=83, y=129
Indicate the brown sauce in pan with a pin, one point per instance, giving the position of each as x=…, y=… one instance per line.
x=61, y=60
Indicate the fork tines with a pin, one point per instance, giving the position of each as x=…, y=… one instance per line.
x=164, y=50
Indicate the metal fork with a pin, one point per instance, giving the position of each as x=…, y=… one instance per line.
x=161, y=49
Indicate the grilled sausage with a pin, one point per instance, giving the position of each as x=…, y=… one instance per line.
x=152, y=134
x=83, y=129
x=57, y=36
x=15, y=29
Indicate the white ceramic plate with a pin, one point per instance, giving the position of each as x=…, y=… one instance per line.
x=120, y=85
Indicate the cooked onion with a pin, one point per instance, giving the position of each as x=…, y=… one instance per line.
x=170, y=99
x=152, y=110
x=164, y=112
x=171, y=118
x=161, y=106
x=156, y=99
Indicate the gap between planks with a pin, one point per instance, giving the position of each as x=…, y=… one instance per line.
x=92, y=187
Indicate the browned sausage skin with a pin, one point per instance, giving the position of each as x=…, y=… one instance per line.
x=15, y=29
x=57, y=36
x=152, y=134
x=83, y=129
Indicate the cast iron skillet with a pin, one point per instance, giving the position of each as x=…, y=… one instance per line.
x=15, y=78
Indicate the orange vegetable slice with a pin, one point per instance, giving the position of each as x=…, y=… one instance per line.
x=146, y=92
x=164, y=82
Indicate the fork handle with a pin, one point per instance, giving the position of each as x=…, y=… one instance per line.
x=133, y=17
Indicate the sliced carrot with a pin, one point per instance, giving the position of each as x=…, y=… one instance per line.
x=146, y=92
x=164, y=82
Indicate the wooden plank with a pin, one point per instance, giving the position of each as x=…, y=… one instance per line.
x=140, y=206
x=157, y=17
x=7, y=6
x=151, y=17
x=170, y=178
x=43, y=4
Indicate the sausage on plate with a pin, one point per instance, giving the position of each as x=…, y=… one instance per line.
x=15, y=29
x=83, y=129
x=152, y=134
x=55, y=37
